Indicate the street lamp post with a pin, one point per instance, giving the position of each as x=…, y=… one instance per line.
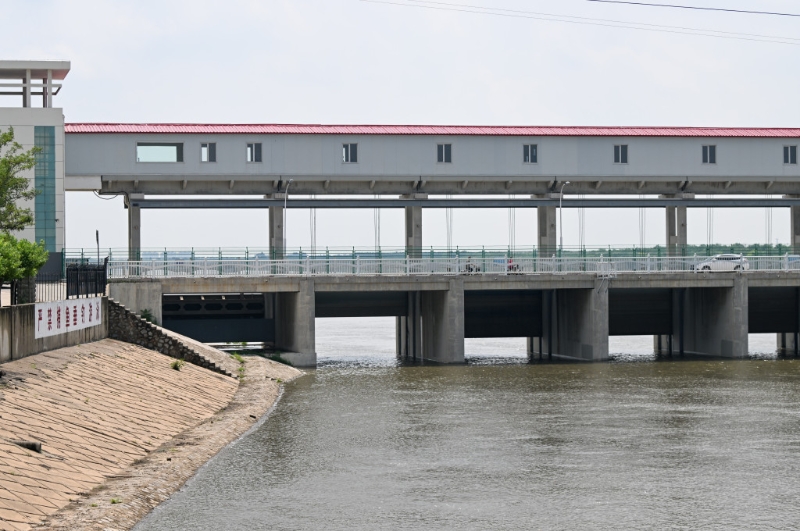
x=285, y=232
x=561, y=218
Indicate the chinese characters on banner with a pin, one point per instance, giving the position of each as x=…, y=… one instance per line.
x=53, y=318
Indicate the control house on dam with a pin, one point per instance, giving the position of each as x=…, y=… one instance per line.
x=566, y=307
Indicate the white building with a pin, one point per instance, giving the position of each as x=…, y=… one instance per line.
x=37, y=123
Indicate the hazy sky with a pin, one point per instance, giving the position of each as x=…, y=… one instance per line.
x=353, y=61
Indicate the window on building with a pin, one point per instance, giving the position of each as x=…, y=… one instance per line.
x=530, y=153
x=444, y=152
x=208, y=152
x=790, y=154
x=621, y=154
x=709, y=154
x=254, y=152
x=349, y=152
x=159, y=152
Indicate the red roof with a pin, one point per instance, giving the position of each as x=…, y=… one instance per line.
x=481, y=130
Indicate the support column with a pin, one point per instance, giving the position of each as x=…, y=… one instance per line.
x=134, y=227
x=443, y=324
x=409, y=330
x=414, y=227
x=547, y=241
x=295, y=330
x=713, y=321
x=794, y=227
x=574, y=325
x=277, y=236
x=677, y=228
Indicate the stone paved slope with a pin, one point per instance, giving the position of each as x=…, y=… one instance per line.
x=96, y=409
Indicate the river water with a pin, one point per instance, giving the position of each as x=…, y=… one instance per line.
x=362, y=444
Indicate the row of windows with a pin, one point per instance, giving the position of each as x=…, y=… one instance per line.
x=160, y=152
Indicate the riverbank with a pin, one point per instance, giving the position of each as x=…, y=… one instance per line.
x=121, y=430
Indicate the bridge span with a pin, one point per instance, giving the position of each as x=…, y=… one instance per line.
x=563, y=315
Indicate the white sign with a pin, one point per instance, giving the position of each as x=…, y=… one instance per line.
x=53, y=318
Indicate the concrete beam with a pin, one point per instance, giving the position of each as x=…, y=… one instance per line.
x=295, y=331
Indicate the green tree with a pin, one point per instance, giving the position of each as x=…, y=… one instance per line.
x=32, y=257
x=10, y=258
x=13, y=187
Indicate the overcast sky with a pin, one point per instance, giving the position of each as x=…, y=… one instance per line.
x=352, y=61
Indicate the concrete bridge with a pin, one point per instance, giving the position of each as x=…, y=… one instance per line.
x=564, y=315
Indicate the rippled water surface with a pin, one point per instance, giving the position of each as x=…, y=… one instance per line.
x=362, y=444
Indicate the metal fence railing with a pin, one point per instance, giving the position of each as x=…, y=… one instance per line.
x=427, y=266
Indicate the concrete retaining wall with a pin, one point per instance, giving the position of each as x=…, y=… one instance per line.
x=17, y=325
x=126, y=326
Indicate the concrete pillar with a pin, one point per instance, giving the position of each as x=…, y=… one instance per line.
x=794, y=227
x=409, y=330
x=295, y=331
x=713, y=321
x=277, y=237
x=575, y=325
x=677, y=228
x=134, y=227
x=443, y=324
x=547, y=241
x=414, y=226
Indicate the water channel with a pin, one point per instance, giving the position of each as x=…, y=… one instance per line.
x=362, y=444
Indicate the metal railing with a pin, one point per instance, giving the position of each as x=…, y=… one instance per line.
x=602, y=266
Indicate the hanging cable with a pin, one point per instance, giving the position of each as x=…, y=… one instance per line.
x=642, y=225
x=582, y=225
x=312, y=222
x=512, y=226
x=448, y=214
x=768, y=223
x=376, y=221
x=709, y=227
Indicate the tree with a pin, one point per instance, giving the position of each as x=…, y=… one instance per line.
x=13, y=187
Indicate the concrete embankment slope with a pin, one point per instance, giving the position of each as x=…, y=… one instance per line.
x=104, y=412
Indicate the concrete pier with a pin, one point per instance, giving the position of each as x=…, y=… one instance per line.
x=574, y=325
x=443, y=324
x=295, y=330
x=409, y=330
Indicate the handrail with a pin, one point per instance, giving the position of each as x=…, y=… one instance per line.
x=493, y=265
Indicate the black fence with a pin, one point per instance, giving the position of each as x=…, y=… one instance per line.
x=86, y=280
x=78, y=280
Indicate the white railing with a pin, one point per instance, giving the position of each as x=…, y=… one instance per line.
x=428, y=266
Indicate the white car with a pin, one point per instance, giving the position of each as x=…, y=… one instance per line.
x=724, y=262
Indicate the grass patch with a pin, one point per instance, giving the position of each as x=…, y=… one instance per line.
x=177, y=364
x=238, y=357
x=147, y=315
x=115, y=501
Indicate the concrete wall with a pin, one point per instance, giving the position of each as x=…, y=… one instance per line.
x=17, y=330
x=138, y=295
